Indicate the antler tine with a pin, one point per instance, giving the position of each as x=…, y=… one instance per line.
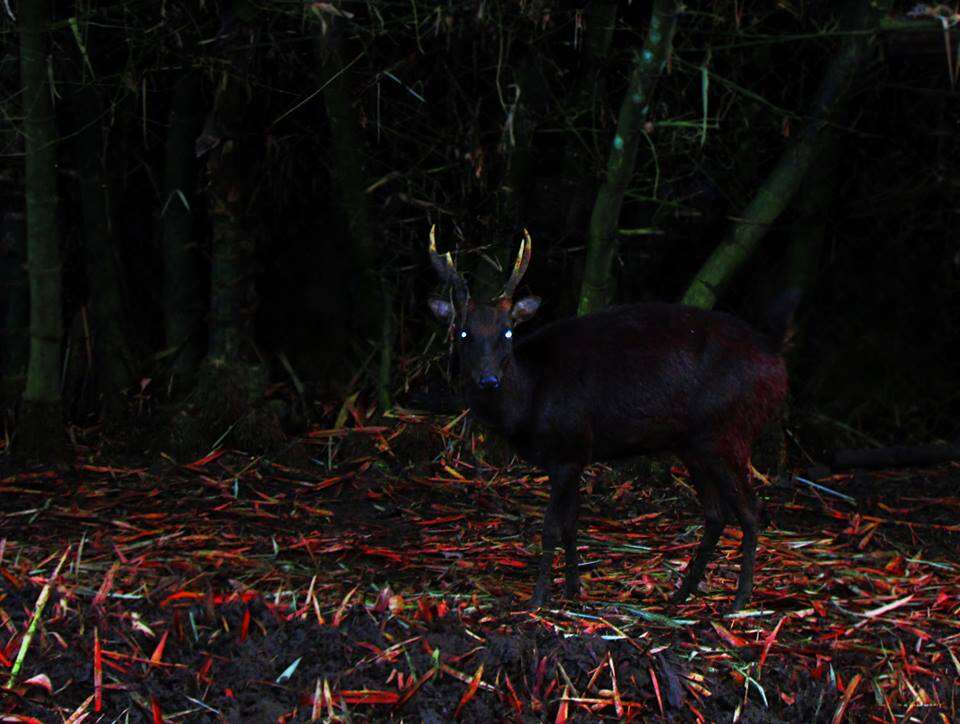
x=446, y=269
x=519, y=266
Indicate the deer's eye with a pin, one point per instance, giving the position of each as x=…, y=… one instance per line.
x=508, y=333
x=463, y=334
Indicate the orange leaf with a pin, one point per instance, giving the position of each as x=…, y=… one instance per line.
x=768, y=642
x=370, y=696
x=470, y=692
x=729, y=637
x=848, y=693
x=157, y=655
x=562, y=710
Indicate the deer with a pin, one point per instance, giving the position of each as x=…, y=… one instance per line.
x=625, y=381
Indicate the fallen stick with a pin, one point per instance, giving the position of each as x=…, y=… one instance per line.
x=34, y=619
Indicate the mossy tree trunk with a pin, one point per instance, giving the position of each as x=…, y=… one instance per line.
x=114, y=361
x=597, y=287
x=781, y=185
x=183, y=301
x=371, y=298
x=40, y=430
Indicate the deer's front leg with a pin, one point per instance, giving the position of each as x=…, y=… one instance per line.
x=560, y=523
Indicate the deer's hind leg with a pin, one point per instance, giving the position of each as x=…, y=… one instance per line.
x=715, y=517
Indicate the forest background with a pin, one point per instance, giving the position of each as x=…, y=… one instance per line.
x=218, y=211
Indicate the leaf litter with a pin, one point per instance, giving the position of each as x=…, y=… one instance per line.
x=388, y=580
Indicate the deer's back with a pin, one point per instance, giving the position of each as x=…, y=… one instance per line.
x=646, y=377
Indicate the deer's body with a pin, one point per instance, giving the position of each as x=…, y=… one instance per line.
x=634, y=379
x=625, y=381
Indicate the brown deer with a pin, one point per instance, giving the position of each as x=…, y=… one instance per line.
x=633, y=379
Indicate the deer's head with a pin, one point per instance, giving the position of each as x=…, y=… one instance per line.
x=483, y=332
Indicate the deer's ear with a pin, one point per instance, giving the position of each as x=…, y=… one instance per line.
x=442, y=309
x=524, y=309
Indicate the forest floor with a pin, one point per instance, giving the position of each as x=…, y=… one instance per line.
x=382, y=572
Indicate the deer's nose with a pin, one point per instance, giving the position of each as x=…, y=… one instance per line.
x=488, y=382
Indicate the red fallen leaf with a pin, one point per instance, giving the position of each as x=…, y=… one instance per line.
x=370, y=696
x=896, y=565
x=514, y=699
x=97, y=672
x=617, y=702
x=848, y=692
x=730, y=638
x=656, y=690
x=412, y=690
x=788, y=699
x=539, y=677
x=371, y=647
x=106, y=585
x=383, y=600
x=203, y=673
x=197, y=464
x=562, y=710
x=442, y=609
x=19, y=719
x=245, y=625
x=244, y=597
x=510, y=562
x=180, y=595
x=338, y=615
x=768, y=642
x=41, y=681
x=470, y=692
x=157, y=655
x=155, y=709
x=383, y=552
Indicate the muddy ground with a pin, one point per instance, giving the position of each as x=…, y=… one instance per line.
x=382, y=573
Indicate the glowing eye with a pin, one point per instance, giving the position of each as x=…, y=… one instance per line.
x=463, y=334
x=508, y=334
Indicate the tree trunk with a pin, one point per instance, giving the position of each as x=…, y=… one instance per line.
x=114, y=361
x=183, y=302
x=227, y=404
x=781, y=185
x=15, y=337
x=596, y=289
x=583, y=148
x=233, y=295
x=371, y=300
x=40, y=430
